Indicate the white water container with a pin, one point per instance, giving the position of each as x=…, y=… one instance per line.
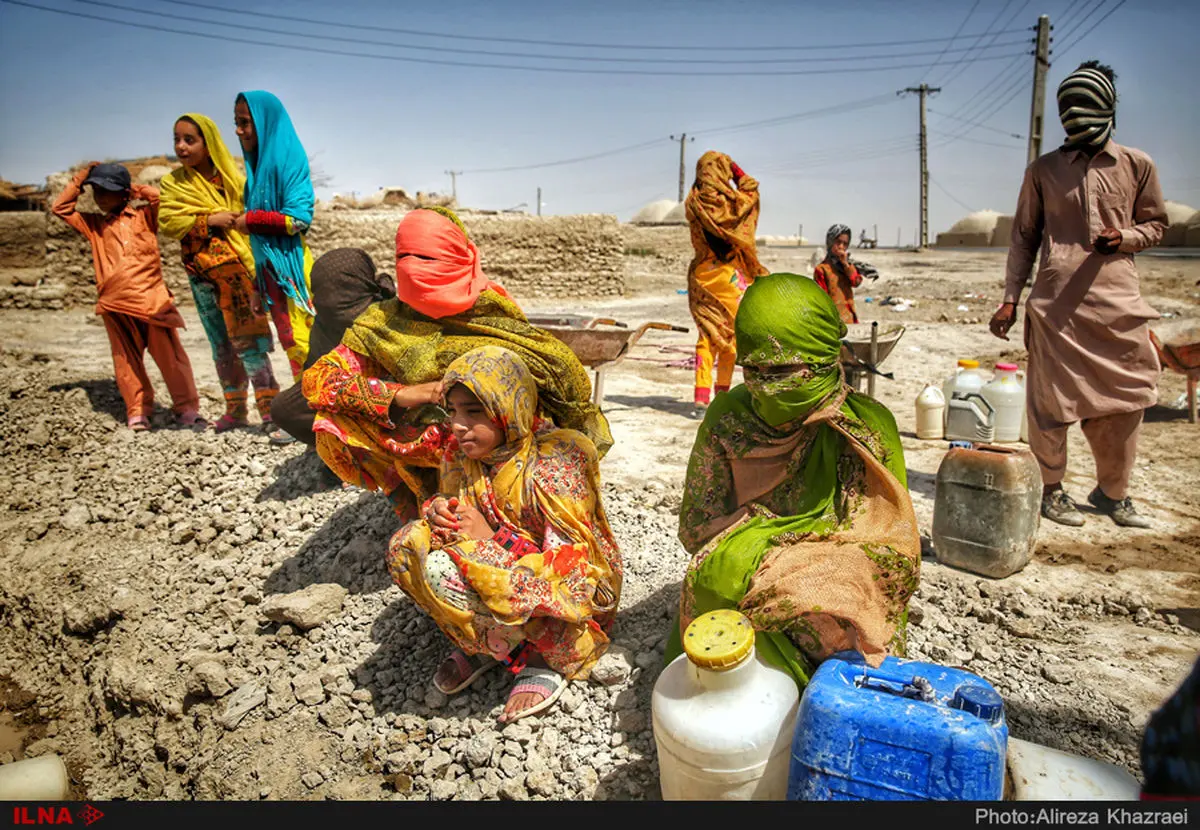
x=967, y=378
x=931, y=413
x=1039, y=773
x=723, y=718
x=1006, y=394
x=43, y=778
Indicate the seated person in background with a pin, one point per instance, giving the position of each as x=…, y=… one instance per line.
x=344, y=284
x=514, y=559
x=838, y=274
x=795, y=506
x=374, y=425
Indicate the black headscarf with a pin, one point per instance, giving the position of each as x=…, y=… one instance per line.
x=865, y=271
x=344, y=283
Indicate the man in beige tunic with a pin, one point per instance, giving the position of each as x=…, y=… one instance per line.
x=1090, y=205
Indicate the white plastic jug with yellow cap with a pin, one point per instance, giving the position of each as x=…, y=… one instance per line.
x=967, y=378
x=723, y=718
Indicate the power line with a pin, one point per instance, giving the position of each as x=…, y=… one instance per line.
x=995, y=20
x=960, y=202
x=1082, y=21
x=962, y=137
x=526, y=55
x=1076, y=41
x=956, y=34
x=977, y=124
x=563, y=44
x=435, y=62
x=1068, y=12
x=836, y=109
x=984, y=103
x=631, y=148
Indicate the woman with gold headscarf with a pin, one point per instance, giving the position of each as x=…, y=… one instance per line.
x=375, y=395
x=514, y=558
x=795, y=505
x=723, y=218
x=199, y=204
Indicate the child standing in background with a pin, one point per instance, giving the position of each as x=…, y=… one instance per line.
x=200, y=203
x=138, y=310
x=279, y=203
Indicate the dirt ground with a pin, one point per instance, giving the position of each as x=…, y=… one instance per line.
x=133, y=571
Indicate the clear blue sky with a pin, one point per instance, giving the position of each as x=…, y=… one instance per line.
x=79, y=88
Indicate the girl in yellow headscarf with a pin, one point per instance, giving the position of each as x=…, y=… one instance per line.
x=199, y=203
x=514, y=560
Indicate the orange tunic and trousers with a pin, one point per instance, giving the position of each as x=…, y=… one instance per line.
x=138, y=310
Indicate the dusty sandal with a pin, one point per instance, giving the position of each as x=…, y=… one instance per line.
x=537, y=681
x=139, y=423
x=469, y=667
x=227, y=422
x=191, y=419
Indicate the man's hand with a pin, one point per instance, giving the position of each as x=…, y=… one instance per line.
x=222, y=220
x=1108, y=242
x=471, y=523
x=422, y=393
x=239, y=224
x=1003, y=320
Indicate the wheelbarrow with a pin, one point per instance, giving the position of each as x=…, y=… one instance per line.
x=597, y=348
x=864, y=348
x=1178, y=347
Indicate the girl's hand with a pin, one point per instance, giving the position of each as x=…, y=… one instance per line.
x=472, y=524
x=442, y=514
x=222, y=220
x=422, y=393
x=239, y=224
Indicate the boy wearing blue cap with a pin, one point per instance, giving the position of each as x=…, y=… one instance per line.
x=138, y=310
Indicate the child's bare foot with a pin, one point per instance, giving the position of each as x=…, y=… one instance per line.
x=537, y=688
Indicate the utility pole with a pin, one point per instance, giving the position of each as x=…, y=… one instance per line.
x=923, y=233
x=683, y=139
x=1041, y=62
x=454, y=174
x=539, y=211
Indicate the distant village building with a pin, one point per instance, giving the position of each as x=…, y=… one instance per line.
x=982, y=229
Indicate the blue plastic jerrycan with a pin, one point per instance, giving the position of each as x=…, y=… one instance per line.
x=907, y=731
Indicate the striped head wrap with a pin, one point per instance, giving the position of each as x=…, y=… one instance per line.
x=1090, y=124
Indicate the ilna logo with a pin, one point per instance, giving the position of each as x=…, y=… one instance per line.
x=55, y=815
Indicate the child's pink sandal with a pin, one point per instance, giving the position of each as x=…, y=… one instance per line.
x=227, y=422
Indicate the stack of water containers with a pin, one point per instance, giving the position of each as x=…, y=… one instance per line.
x=970, y=407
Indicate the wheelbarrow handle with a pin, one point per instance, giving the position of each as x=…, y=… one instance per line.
x=606, y=321
x=666, y=327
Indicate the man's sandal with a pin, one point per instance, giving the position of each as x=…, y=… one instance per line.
x=470, y=666
x=139, y=423
x=536, y=680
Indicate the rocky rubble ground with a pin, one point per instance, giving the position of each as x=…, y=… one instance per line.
x=191, y=615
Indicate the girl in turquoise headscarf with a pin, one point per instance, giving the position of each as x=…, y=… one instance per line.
x=796, y=507
x=279, y=209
